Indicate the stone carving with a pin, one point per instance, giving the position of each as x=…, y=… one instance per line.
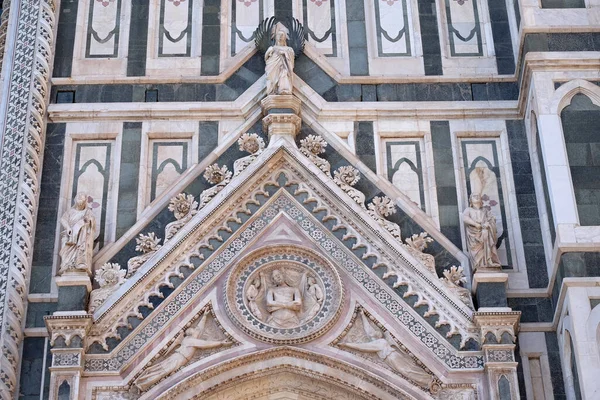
x=311, y=147
x=184, y=207
x=380, y=342
x=218, y=176
x=110, y=276
x=77, y=238
x=482, y=234
x=251, y=143
x=279, y=60
x=147, y=245
x=453, y=279
x=281, y=44
x=346, y=177
x=379, y=209
x=179, y=353
x=288, y=300
x=283, y=294
x=416, y=245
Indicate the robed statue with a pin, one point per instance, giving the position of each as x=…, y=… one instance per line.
x=77, y=237
x=281, y=42
x=482, y=234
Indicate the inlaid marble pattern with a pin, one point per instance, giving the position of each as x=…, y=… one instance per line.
x=393, y=30
x=464, y=27
x=104, y=22
x=245, y=17
x=319, y=22
x=405, y=169
x=175, y=28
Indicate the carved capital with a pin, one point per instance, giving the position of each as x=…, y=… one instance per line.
x=497, y=327
x=282, y=124
x=68, y=326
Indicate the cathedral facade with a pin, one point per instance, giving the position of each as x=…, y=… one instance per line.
x=300, y=199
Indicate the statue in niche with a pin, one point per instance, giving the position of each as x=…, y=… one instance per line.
x=388, y=351
x=180, y=352
x=77, y=238
x=291, y=299
x=482, y=234
x=281, y=43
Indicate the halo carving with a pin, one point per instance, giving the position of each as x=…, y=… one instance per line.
x=284, y=295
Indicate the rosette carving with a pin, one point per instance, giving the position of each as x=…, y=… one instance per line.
x=454, y=278
x=251, y=143
x=381, y=208
x=147, y=245
x=110, y=276
x=218, y=176
x=416, y=245
x=184, y=207
x=311, y=147
x=346, y=177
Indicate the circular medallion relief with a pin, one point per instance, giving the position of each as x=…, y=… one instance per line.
x=284, y=295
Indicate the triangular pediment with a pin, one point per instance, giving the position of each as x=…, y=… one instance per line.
x=281, y=199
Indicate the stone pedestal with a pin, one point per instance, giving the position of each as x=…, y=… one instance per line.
x=490, y=289
x=281, y=116
x=498, y=332
x=73, y=291
x=67, y=338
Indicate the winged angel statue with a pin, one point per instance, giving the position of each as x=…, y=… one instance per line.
x=287, y=301
x=281, y=42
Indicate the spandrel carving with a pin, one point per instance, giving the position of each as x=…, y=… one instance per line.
x=181, y=351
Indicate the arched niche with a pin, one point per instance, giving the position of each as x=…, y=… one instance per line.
x=580, y=120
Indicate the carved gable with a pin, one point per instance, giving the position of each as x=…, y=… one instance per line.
x=283, y=254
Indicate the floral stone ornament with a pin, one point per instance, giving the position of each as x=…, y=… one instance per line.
x=381, y=208
x=110, y=276
x=218, y=176
x=184, y=207
x=346, y=177
x=147, y=245
x=311, y=147
x=454, y=278
x=416, y=245
x=250, y=143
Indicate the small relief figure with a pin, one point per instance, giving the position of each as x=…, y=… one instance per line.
x=284, y=303
x=77, y=238
x=281, y=47
x=290, y=298
x=481, y=234
x=388, y=351
x=313, y=298
x=181, y=352
x=252, y=294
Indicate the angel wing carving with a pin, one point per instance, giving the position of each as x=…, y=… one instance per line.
x=264, y=39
